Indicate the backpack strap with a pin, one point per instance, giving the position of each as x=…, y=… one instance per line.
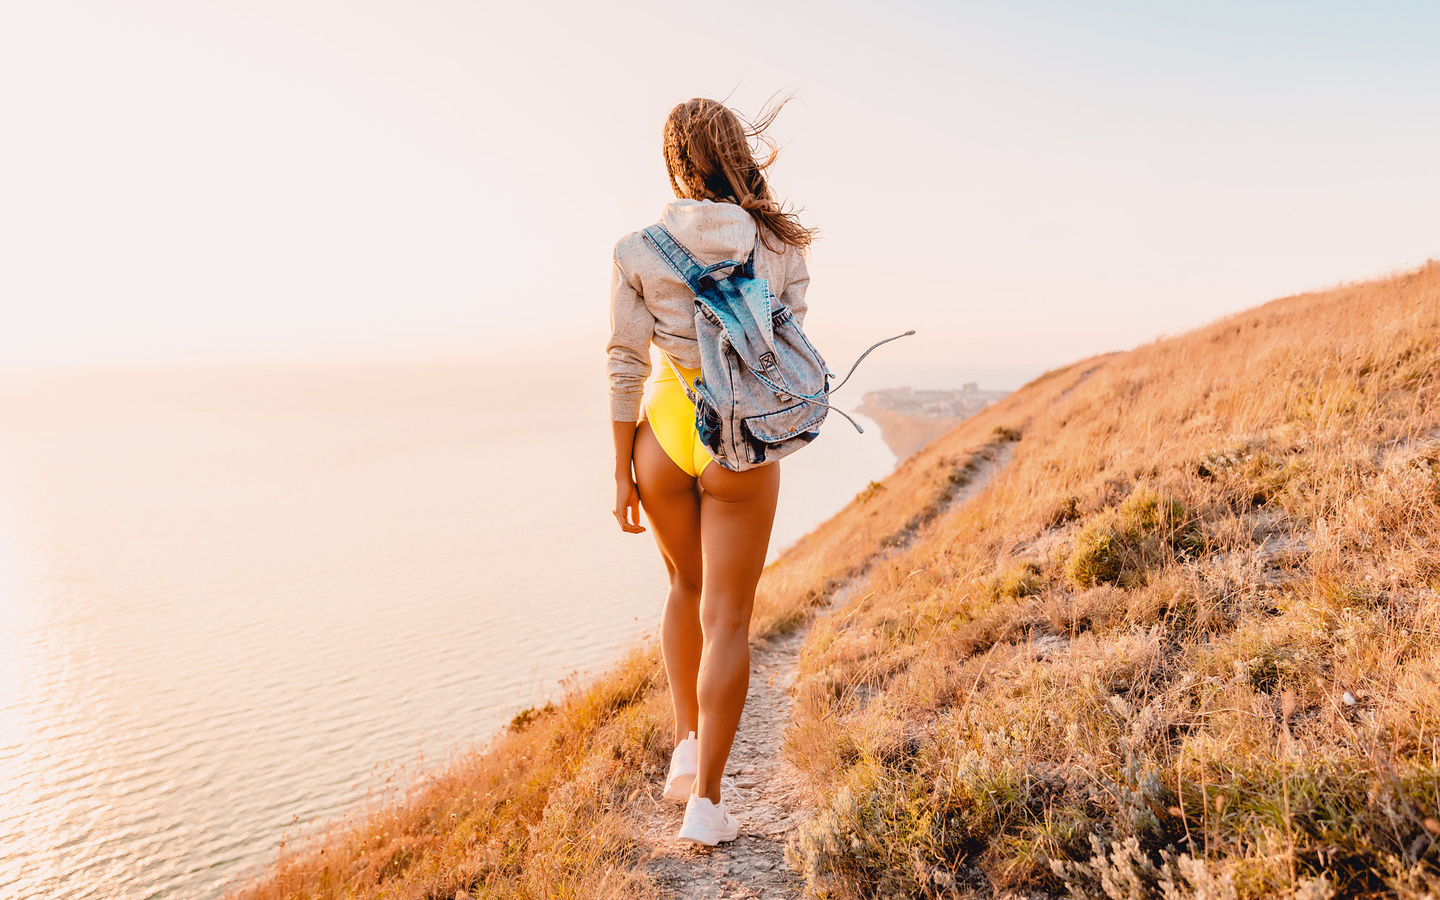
x=684, y=264
x=690, y=392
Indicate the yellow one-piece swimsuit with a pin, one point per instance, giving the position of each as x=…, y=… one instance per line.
x=672, y=417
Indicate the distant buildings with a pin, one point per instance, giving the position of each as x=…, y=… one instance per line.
x=948, y=404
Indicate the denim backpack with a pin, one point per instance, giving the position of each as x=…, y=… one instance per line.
x=763, y=388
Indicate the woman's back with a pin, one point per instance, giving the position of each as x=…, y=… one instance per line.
x=650, y=304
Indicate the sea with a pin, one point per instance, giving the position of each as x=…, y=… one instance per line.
x=239, y=600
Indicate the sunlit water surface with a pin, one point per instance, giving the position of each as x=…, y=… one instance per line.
x=229, y=595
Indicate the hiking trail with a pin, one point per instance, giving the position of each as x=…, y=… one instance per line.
x=768, y=793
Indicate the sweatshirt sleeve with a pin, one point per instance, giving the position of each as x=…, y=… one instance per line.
x=799, y=280
x=631, y=327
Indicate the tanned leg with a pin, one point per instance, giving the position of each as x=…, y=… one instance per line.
x=671, y=500
x=737, y=510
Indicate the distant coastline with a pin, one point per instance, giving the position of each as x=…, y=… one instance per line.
x=909, y=419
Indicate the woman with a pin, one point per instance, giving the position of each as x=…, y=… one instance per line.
x=712, y=525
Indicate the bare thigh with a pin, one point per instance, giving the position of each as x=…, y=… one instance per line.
x=672, y=503
x=737, y=512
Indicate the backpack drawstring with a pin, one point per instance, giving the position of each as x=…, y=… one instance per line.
x=815, y=398
x=862, y=359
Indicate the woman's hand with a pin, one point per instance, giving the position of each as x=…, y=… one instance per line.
x=627, y=495
x=627, y=504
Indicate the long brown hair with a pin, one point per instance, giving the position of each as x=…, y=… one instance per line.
x=708, y=149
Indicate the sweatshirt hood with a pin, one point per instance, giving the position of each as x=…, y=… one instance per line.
x=711, y=231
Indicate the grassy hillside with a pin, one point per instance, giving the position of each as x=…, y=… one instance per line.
x=1184, y=644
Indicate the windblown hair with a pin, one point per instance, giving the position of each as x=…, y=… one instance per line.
x=709, y=156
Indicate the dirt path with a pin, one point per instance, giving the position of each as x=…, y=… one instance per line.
x=768, y=796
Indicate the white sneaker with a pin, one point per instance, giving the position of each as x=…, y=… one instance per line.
x=707, y=823
x=684, y=763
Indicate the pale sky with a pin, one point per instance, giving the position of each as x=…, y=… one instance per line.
x=1022, y=182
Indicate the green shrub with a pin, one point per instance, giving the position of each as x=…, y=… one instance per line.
x=1098, y=557
x=1122, y=543
x=870, y=490
x=526, y=717
x=1023, y=579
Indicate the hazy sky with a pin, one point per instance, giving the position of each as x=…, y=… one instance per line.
x=1023, y=182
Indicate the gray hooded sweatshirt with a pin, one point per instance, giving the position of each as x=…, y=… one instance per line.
x=649, y=303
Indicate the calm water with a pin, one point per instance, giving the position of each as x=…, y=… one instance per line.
x=229, y=594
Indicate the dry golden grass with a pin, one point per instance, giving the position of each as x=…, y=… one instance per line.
x=888, y=515
x=1184, y=645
